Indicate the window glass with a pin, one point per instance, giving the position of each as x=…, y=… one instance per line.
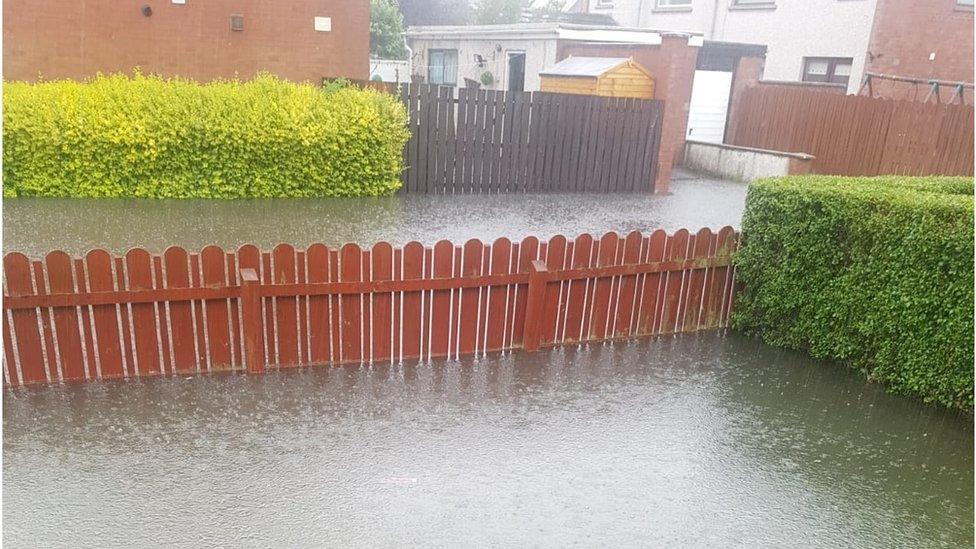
x=817, y=67
x=672, y=3
x=442, y=67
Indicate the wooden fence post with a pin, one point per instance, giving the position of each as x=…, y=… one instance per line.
x=251, y=322
x=538, y=282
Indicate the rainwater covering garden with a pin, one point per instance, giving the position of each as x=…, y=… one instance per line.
x=705, y=437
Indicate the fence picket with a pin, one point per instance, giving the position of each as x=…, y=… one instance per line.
x=61, y=281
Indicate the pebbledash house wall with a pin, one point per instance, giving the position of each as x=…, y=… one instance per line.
x=930, y=39
x=791, y=29
x=53, y=39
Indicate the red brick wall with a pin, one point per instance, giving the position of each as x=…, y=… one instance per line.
x=672, y=64
x=906, y=32
x=77, y=38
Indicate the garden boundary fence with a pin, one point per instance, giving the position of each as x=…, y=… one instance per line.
x=180, y=313
x=857, y=135
x=488, y=141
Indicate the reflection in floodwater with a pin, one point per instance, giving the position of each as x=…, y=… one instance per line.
x=689, y=441
x=38, y=225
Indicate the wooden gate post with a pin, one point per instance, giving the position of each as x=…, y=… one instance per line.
x=251, y=321
x=538, y=282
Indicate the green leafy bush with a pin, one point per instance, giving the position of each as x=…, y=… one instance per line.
x=876, y=272
x=144, y=136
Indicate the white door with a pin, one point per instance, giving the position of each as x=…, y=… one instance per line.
x=709, y=106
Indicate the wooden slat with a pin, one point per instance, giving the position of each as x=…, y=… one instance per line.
x=351, y=267
x=627, y=288
x=98, y=264
x=213, y=266
x=602, y=289
x=176, y=261
x=655, y=249
x=61, y=280
x=144, y=315
x=440, y=323
x=17, y=276
x=470, y=298
x=695, y=283
x=381, y=317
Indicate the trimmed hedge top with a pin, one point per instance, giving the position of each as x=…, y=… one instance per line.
x=877, y=272
x=144, y=136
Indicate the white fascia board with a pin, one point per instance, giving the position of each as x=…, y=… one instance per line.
x=493, y=32
x=622, y=36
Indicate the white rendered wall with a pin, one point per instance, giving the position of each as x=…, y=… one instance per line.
x=539, y=54
x=793, y=30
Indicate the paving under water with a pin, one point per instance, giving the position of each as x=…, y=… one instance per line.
x=697, y=440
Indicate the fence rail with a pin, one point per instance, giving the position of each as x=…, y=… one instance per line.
x=488, y=141
x=855, y=135
x=179, y=313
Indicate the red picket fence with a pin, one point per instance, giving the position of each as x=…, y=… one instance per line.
x=181, y=313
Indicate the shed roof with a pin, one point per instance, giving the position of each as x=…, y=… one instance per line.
x=584, y=66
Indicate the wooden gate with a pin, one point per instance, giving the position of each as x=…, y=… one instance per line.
x=486, y=141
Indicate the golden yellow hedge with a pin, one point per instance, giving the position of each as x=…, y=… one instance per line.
x=145, y=136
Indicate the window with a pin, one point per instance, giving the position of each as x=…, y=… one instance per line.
x=673, y=4
x=753, y=3
x=966, y=3
x=442, y=67
x=832, y=70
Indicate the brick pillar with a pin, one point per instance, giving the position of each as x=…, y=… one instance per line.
x=673, y=86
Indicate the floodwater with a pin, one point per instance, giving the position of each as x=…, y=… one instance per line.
x=696, y=440
x=36, y=226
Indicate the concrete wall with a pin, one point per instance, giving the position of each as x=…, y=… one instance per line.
x=792, y=30
x=77, y=38
x=390, y=70
x=742, y=163
x=930, y=39
x=540, y=53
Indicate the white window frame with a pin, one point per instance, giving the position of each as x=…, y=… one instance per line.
x=747, y=4
x=676, y=5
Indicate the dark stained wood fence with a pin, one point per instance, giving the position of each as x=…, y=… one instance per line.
x=856, y=135
x=486, y=141
x=179, y=313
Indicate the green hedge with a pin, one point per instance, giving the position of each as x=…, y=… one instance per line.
x=140, y=136
x=875, y=272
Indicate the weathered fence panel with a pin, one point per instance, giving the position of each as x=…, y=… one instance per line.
x=488, y=141
x=179, y=313
x=856, y=135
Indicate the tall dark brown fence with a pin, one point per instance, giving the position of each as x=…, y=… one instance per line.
x=486, y=141
x=182, y=313
x=855, y=135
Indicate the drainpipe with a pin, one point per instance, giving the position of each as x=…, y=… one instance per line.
x=409, y=58
x=711, y=33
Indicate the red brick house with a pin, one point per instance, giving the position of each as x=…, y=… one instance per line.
x=930, y=39
x=200, y=39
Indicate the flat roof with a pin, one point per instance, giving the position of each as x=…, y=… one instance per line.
x=549, y=30
x=584, y=66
